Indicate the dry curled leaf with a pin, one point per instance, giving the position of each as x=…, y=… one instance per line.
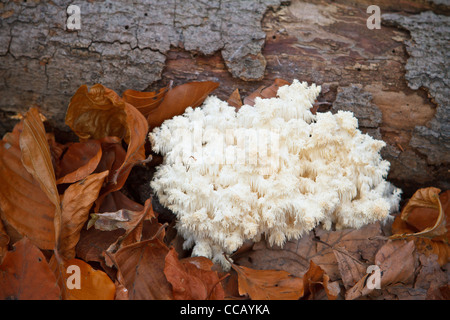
x=128, y=218
x=145, y=102
x=176, y=100
x=79, y=281
x=141, y=270
x=80, y=160
x=192, y=279
x=350, y=267
x=426, y=220
x=24, y=200
x=99, y=113
x=315, y=280
x=318, y=246
x=4, y=241
x=76, y=203
x=268, y=284
x=396, y=262
x=26, y=275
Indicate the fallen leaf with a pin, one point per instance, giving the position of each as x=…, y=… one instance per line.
x=128, y=219
x=4, y=241
x=79, y=161
x=265, y=92
x=25, y=206
x=145, y=102
x=268, y=284
x=426, y=220
x=79, y=281
x=192, y=279
x=26, y=275
x=315, y=280
x=417, y=213
x=351, y=268
x=176, y=100
x=235, y=100
x=294, y=257
x=442, y=293
x=94, y=242
x=141, y=270
x=396, y=262
x=56, y=151
x=113, y=156
x=36, y=156
x=76, y=203
x=99, y=113
x=429, y=274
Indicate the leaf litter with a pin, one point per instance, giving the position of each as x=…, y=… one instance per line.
x=70, y=206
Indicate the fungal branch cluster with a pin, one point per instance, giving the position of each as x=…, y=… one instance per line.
x=292, y=171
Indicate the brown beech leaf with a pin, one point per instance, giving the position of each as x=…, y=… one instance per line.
x=268, y=284
x=79, y=281
x=176, y=100
x=318, y=246
x=235, y=99
x=128, y=219
x=113, y=158
x=264, y=92
x=315, y=280
x=351, y=268
x=141, y=270
x=100, y=113
x=426, y=220
x=396, y=261
x=56, y=150
x=397, y=264
x=76, y=203
x=25, y=206
x=430, y=224
x=36, y=156
x=192, y=279
x=94, y=242
x=4, y=241
x=145, y=102
x=97, y=113
x=79, y=161
x=26, y=275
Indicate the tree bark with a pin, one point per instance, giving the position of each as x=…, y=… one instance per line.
x=395, y=79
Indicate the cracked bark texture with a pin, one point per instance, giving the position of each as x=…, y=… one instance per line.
x=428, y=67
x=121, y=44
x=143, y=46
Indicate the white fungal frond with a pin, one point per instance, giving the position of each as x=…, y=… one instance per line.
x=273, y=170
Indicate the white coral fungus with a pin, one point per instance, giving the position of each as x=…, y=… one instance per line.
x=274, y=169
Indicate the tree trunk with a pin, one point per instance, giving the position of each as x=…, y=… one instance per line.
x=395, y=79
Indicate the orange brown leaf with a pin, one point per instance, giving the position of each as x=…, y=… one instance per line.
x=315, y=280
x=141, y=270
x=145, y=102
x=80, y=160
x=93, y=284
x=99, y=113
x=76, y=203
x=268, y=284
x=176, y=100
x=24, y=205
x=26, y=275
x=192, y=279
